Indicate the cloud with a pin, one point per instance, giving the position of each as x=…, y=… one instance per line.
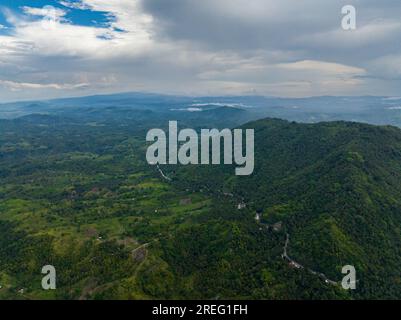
x=201, y=47
x=387, y=67
x=15, y=86
x=75, y=5
x=47, y=11
x=322, y=67
x=52, y=34
x=124, y=15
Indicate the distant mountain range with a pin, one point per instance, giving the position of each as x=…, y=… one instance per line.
x=367, y=109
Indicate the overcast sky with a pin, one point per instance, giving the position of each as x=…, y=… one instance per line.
x=54, y=48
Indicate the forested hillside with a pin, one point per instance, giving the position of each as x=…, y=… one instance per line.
x=335, y=188
x=77, y=193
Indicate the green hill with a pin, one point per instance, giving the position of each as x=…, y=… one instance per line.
x=79, y=195
x=336, y=188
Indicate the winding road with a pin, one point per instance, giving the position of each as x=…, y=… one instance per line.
x=300, y=266
x=285, y=255
x=162, y=174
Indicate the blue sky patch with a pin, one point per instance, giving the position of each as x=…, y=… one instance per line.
x=75, y=16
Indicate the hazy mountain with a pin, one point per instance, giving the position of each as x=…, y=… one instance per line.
x=368, y=109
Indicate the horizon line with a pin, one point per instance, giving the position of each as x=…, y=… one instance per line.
x=190, y=96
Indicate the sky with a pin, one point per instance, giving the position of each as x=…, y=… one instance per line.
x=288, y=48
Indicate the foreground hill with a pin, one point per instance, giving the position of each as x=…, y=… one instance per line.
x=336, y=189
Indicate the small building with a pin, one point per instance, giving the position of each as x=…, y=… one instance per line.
x=278, y=226
x=241, y=206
